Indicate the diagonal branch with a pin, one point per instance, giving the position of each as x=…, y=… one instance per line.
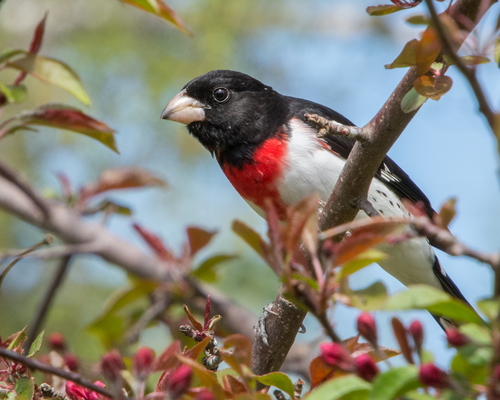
x=40, y=366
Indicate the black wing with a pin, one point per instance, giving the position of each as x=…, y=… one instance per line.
x=388, y=172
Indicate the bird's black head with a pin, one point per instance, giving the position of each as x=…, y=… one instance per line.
x=229, y=112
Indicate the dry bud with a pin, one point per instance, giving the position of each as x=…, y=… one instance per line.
x=142, y=361
x=336, y=355
x=367, y=328
x=56, y=341
x=456, y=338
x=432, y=376
x=179, y=381
x=71, y=361
x=417, y=333
x=366, y=367
x=111, y=364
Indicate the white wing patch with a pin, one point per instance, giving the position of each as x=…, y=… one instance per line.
x=387, y=175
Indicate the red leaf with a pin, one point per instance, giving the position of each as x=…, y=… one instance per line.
x=155, y=243
x=207, y=314
x=321, y=372
x=167, y=359
x=198, y=238
x=433, y=87
x=233, y=385
x=36, y=43
x=298, y=217
x=196, y=325
x=402, y=338
x=242, y=352
x=365, y=238
x=161, y=10
x=66, y=117
x=120, y=178
x=196, y=350
x=427, y=50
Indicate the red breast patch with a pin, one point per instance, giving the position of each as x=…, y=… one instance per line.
x=258, y=180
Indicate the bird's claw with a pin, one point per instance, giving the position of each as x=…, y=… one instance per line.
x=260, y=328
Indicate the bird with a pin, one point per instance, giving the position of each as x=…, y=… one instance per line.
x=267, y=149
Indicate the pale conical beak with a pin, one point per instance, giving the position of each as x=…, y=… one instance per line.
x=184, y=109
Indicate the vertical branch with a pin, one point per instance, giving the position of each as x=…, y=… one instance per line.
x=37, y=323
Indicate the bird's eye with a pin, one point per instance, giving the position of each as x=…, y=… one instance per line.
x=221, y=94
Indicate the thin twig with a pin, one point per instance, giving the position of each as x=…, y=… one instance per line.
x=11, y=176
x=43, y=308
x=468, y=72
x=55, y=251
x=37, y=365
x=329, y=127
x=47, y=240
x=162, y=299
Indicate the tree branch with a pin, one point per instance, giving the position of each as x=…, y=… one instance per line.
x=468, y=72
x=44, y=306
x=37, y=365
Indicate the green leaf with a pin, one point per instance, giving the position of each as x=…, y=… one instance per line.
x=475, y=60
x=337, y=388
x=424, y=297
x=383, y=9
x=490, y=308
x=416, y=297
x=418, y=396
x=474, y=374
x=407, y=57
x=52, y=71
x=206, y=271
x=371, y=298
x=24, y=389
x=395, y=382
x=8, y=54
x=361, y=261
x=279, y=380
x=456, y=310
x=35, y=346
x=412, y=101
x=14, y=94
x=159, y=8
x=419, y=19
x=252, y=238
x=496, y=51
x=20, y=337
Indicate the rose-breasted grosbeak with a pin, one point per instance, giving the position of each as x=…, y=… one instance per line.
x=267, y=150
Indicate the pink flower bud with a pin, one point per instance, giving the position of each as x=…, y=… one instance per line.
x=455, y=338
x=56, y=341
x=142, y=362
x=336, y=355
x=417, y=333
x=432, y=376
x=111, y=364
x=179, y=381
x=496, y=372
x=366, y=367
x=367, y=328
x=71, y=361
x=329, y=248
x=204, y=394
x=74, y=391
